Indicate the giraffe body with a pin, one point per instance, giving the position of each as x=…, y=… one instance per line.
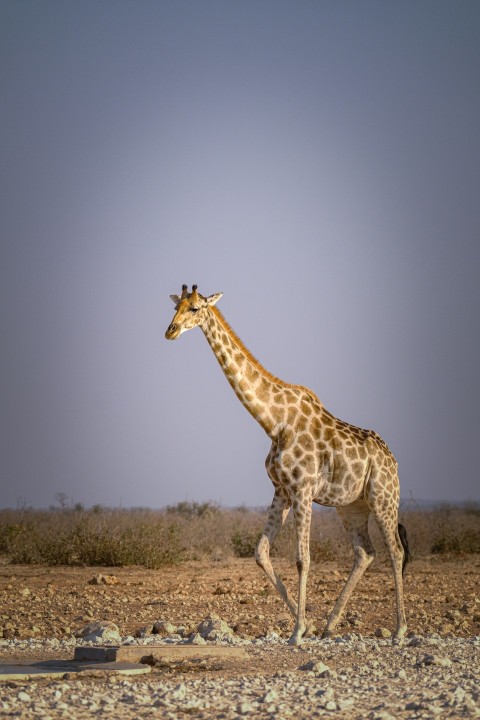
x=314, y=457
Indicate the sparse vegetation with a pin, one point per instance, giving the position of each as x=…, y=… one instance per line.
x=244, y=543
x=448, y=530
x=73, y=535
x=457, y=531
x=110, y=538
x=191, y=510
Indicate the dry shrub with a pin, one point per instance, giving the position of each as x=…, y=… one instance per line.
x=443, y=530
x=457, y=532
x=193, y=531
x=108, y=537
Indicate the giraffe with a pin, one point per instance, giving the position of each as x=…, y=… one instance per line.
x=314, y=457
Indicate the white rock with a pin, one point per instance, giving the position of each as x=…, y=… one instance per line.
x=317, y=666
x=178, y=693
x=213, y=628
x=103, y=630
x=383, y=633
x=196, y=639
x=270, y=697
x=434, y=660
x=164, y=627
x=244, y=708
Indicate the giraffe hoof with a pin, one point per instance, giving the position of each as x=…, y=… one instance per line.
x=295, y=639
x=298, y=636
x=398, y=638
x=327, y=634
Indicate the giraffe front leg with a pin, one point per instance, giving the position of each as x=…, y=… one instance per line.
x=277, y=515
x=303, y=515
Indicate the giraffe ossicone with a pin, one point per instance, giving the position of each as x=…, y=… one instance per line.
x=314, y=457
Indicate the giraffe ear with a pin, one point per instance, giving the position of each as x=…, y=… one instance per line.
x=213, y=299
x=175, y=299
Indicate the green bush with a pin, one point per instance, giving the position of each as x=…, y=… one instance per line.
x=8, y=532
x=193, y=509
x=244, y=543
x=465, y=542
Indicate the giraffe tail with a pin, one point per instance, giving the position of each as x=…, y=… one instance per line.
x=407, y=556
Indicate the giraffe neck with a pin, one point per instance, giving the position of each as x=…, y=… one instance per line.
x=254, y=386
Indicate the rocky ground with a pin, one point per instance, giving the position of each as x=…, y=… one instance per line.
x=358, y=674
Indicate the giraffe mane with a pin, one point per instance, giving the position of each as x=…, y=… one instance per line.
x=251, y=358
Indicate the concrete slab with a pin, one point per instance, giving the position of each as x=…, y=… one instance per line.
x=149, y=653
x=61, y=668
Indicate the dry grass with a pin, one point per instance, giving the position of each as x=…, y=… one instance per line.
x=110, y=537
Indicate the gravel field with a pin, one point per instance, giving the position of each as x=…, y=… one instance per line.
x=435, y=673
x=347, y=677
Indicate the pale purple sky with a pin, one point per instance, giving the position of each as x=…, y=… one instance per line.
x=318, y=162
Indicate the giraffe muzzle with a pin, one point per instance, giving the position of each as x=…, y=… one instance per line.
x=173, y=331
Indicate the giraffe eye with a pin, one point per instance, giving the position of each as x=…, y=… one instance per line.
x=194, y=309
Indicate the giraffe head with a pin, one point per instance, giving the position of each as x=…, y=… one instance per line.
x=190, y=311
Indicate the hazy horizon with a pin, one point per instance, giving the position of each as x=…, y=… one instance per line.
x=317, y=162
x=69, y=505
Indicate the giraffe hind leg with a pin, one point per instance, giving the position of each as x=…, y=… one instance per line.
x=355, y=521
x=397, y=545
